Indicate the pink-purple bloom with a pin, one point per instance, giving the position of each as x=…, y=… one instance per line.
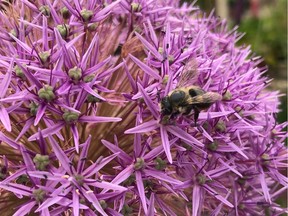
x=82, y=130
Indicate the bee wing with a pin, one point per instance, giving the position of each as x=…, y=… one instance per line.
x=189, y=74
x=207, y=98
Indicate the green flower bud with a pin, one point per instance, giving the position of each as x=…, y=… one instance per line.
x=75, y=73
x=23, y=179
x=39, y=195
x=160, y=164
x=44, y=9
x=241, y=206
x=65, y=13
x=92, y=27
x=140, y=164
x=93, y=99
x=14, y=33
x=33, y=108
x=136, y=7
x=44, y=57
x=19, y=72
x=265, y=159
x=126, y=210
x=160, y=50
x=63, y=30
x=88, y=78
x=70, y=117
x=86, y=14
x=171, y=58
x=165, y=80
x=201, y=179
x=131, y=179
x=220, y=126
x=213, y=146
x=41, y=161
x=79, y=179
x=46, y=93
x=3, y=172
x=103, y=204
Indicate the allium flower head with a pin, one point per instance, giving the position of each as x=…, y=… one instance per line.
x=134, y=107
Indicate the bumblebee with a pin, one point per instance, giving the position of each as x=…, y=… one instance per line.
x=187, y=100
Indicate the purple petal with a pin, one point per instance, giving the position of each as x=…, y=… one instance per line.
x=217, y=196
x=61, y=156
x=25, y=209
x=48, y=131
x=6, y=80
x=195, y=200
x=56, y=196
x=115, y=149
x=9, y=141
x=122, y=176
x=93, y=199
x=40, y=113
x=265, y=188
x=146, y=68
x=4, y=117
x=98, y=119
x=143, y=128
x=165, y=143
x=150, y=47
x=161, y=176
x=17, y=188
x=105, y=11
x=88, y=89
x=151, y=206
x=14, y=176
x=151, y=106
x=26, y=127
x=83, y=155
x=75, y=203
x=141, y=191
x=75, y=137
x=94, y=168
x=108, y=186
x=87, y=54
x=184, y=136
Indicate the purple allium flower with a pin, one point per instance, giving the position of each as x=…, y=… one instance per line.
x=83, y=126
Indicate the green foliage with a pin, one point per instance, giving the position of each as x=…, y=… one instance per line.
x=268, y=33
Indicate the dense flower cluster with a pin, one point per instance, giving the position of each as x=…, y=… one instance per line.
x=82, y=130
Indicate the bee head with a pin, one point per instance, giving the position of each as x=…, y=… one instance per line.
x=166, y=108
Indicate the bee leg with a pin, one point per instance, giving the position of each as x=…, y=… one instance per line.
x=174, y=115
x=196, y=115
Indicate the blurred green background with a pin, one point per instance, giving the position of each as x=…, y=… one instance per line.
x=265, y=24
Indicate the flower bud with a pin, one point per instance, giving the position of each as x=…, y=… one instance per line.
x=19, y=72
x=39, y=195
x=44, y=57
x=75, y=73
x=41, y=161
x=140, y=164
x=70, y=117
x=65, y=13
x=220, y=126
x=86, y=14
x=136, y=7
x=63, y=30
x=46, y=93
x=33, y=108
x=44, y=9
x=160, y=164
